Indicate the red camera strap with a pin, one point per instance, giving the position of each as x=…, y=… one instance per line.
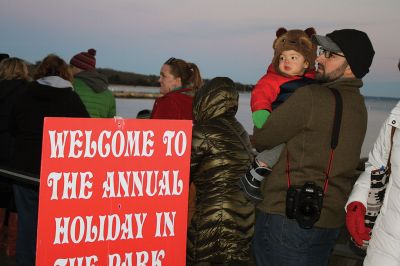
x=334, y=140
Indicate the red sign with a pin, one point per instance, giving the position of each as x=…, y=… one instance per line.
x=113, y=192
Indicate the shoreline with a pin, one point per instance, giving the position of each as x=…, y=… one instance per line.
x=378, y=110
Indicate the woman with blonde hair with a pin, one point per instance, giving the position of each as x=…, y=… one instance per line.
x=179, y=80
x=13, y=81
x=13, y=69
x=50, y=95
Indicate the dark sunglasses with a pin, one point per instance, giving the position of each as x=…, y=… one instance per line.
x=328, y=54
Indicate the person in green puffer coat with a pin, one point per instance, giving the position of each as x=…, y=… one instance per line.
x=221, y=229
x=91, y=86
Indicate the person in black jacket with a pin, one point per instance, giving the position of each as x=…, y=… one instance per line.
x=13, y=81
x=50, y=95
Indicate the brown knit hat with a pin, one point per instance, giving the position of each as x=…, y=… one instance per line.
x=84, y=60
x=297, y=40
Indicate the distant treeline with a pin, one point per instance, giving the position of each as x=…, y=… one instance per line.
x=129, y=78
x=134, y=79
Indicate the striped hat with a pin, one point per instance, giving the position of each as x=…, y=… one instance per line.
x=84, y=60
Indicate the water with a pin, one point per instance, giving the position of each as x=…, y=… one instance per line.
x=378, y=109
x=134, y=88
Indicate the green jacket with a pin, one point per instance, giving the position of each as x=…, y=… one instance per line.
x=305, y=123
x=222, y=226
x=93, y=90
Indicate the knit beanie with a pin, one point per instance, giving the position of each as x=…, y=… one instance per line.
x=354, y=44
x=84, y=60
x=297, y=40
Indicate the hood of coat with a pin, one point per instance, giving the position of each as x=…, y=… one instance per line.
x=54, y=81
x=97, y=82
x=47, y=92
x=218, y=97
x=349, y=84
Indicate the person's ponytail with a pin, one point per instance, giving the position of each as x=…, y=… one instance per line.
x=188, y=72
x=195, y=78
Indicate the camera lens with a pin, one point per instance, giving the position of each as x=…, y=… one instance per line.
x=307, y=210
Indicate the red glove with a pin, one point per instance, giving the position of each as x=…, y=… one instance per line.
x=355, y=222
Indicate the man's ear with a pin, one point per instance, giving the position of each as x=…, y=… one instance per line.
x=348, y=72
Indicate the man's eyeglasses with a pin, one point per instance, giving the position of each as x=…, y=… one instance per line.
x=328, y=54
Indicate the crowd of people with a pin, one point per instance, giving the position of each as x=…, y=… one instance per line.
x=280, y=197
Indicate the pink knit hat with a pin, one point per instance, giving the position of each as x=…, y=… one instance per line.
x=84, y=60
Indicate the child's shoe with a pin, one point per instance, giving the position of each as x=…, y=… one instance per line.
x=250, y=183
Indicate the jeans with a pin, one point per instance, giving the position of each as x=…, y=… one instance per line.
x=281, y=241
x=27, y=200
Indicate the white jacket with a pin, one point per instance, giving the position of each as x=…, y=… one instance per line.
x=384, y=246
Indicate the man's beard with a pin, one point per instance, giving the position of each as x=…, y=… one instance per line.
x=334, y=75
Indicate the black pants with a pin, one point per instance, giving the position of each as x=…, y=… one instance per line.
x=281, y=241
x=27, y=200
x=6, y=194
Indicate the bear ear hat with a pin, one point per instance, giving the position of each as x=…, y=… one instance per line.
x=280, y=32
x=310, y=31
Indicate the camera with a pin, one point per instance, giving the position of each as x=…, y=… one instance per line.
x=304, y=203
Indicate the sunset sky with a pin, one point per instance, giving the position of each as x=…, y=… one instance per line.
x=223, y=37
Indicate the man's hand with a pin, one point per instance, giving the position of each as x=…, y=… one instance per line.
x=355, y=222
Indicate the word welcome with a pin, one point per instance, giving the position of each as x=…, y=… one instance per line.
x=113, y=143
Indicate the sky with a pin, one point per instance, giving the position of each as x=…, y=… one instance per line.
x=223, y=37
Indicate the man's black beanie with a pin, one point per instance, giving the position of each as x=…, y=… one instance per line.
x=357, y=48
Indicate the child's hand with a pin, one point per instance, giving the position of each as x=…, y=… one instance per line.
x=260, y=117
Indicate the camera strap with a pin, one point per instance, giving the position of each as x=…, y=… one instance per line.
x=337, y=120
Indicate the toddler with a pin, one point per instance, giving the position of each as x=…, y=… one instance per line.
x=292, y=67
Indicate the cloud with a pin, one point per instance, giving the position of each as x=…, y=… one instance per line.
x=223, y=36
